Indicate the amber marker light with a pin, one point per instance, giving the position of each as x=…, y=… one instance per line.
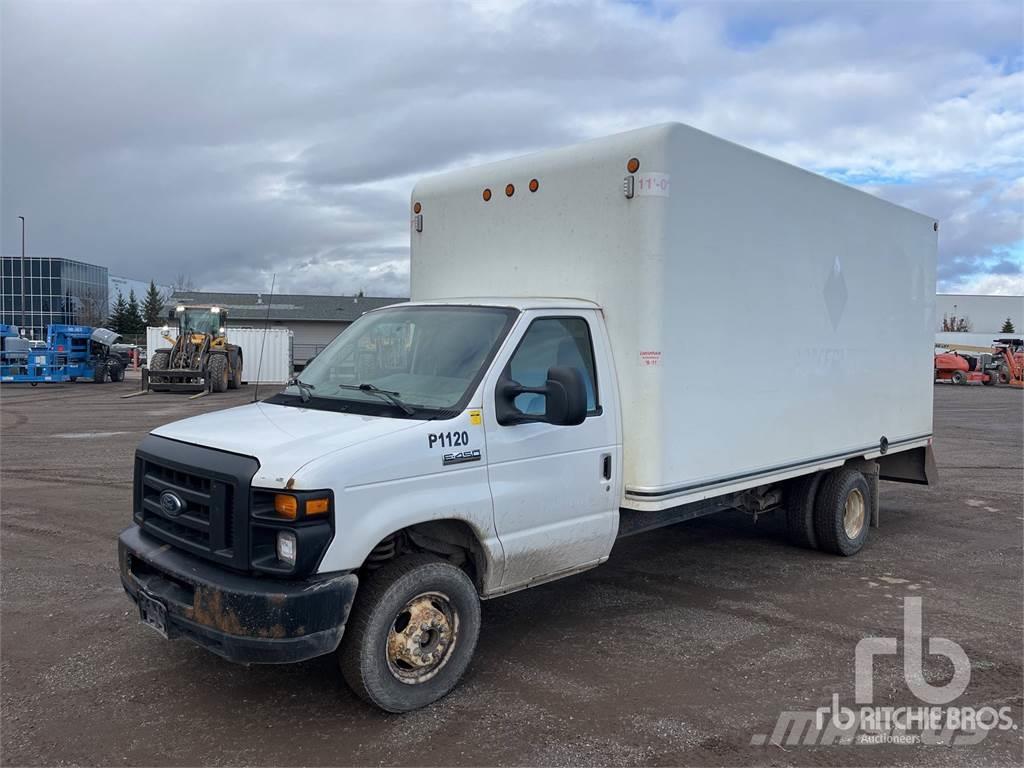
x=487, y=195
x=534, y=185
x=509, y=190
x=633, y=165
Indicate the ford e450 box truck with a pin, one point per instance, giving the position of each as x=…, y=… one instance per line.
x=602, y=339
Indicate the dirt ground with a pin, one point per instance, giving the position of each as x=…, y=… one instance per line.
x=689, y=642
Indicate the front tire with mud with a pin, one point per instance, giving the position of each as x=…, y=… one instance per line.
x=161, y=361
x=411, y=633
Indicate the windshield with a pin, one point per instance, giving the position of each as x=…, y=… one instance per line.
x=428, y=357
x=199, y=321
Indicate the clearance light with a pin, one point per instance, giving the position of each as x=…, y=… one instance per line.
x=487, y=195
x=633, y=165
x=286, y=506
x=534, y=185
x=317, y=507
x=180, y=308
x=215, y=310
x=417, y=208
x=509, y=190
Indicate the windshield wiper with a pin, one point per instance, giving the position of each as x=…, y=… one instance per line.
x=304, y=388
x=392, y=397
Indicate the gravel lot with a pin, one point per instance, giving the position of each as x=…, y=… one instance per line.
x=687, y=643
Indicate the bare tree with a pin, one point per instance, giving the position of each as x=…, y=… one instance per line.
x=90, y=306
x=183, y=282
x=954, y=324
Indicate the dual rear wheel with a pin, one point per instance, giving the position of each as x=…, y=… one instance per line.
x=830, y=511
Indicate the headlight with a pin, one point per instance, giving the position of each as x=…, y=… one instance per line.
x=286, y=547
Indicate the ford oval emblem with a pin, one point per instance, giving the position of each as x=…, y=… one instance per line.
x=171, y=503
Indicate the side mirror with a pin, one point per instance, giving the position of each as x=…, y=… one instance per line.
x=565, y=399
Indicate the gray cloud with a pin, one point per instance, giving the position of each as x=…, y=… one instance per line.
x=231, y=141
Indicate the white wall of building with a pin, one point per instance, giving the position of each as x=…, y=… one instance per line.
x=986, y=313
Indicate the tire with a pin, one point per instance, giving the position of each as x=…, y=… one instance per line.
x=839, y=527
x=422, y=584
x=236, y=374
x=1004, y=374
x=99, y=372
x=161, y=362
x=799, y=501
x=958, y=377
x=115, y=367
x=217, y=370
x=990, y=378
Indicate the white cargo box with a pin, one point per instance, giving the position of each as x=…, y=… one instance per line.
x=764, y=320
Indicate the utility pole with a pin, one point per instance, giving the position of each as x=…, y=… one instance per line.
x=22, y=326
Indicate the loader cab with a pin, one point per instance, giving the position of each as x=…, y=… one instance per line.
x=209, y=320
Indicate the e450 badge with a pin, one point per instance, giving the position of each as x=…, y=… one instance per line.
x=461, y=457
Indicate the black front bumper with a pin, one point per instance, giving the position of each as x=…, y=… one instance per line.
x=245, y=619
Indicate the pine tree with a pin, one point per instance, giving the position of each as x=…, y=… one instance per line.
x=1008, y=327
x=152, y=307
x=133, y=321
x=116, y=323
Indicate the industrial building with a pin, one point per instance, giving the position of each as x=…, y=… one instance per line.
x=984, y=314
x=314, y=320
x=55, y=290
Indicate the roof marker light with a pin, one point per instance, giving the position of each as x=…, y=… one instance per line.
x=416, y=208
x=487, y=195
x=534, y=185
x=509, y=190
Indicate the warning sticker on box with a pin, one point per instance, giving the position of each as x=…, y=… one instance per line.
x=650, y=358
x=653, y=185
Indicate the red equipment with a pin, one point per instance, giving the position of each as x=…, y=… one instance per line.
x=958, y=369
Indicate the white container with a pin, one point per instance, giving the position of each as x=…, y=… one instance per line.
x=276, y=366
x=763, y=319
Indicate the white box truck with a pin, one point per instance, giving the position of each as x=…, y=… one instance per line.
x=659, y=325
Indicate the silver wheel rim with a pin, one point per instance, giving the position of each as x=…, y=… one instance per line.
x=853, y=514
x=422, y=637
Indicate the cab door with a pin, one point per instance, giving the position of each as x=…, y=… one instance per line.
x=554, y=488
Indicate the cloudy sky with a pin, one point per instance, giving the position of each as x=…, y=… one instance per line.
x=227, y=141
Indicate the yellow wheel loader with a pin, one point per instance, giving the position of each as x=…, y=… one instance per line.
x=201, y=358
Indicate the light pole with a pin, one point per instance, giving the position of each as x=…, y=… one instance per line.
x=22, y=326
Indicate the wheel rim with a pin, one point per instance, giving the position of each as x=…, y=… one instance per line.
x=853, y=515
x=422, y=637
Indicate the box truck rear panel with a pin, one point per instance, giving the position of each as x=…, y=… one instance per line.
x=764, y=320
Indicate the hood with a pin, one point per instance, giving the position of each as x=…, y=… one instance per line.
x=282, y=438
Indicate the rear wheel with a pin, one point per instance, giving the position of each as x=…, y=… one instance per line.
x=958, y=377
x=116, y=369
x=236, y=374
x=411, y=634
x=842, y=512
x=800, y=496
x=218, y=372
x=1004, y=374
x=99, y=371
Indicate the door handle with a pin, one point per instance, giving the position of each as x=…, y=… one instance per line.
x=606, y=466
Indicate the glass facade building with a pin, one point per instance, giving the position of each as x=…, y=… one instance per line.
x=55, y=291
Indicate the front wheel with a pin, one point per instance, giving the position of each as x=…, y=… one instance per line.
x=411, y=634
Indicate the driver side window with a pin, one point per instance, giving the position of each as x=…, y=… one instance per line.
x=550, y=342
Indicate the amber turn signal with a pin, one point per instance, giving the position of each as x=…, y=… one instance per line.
x=317, y=507
x=286, y=506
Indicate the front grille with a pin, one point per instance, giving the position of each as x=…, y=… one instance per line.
x=214, y=489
